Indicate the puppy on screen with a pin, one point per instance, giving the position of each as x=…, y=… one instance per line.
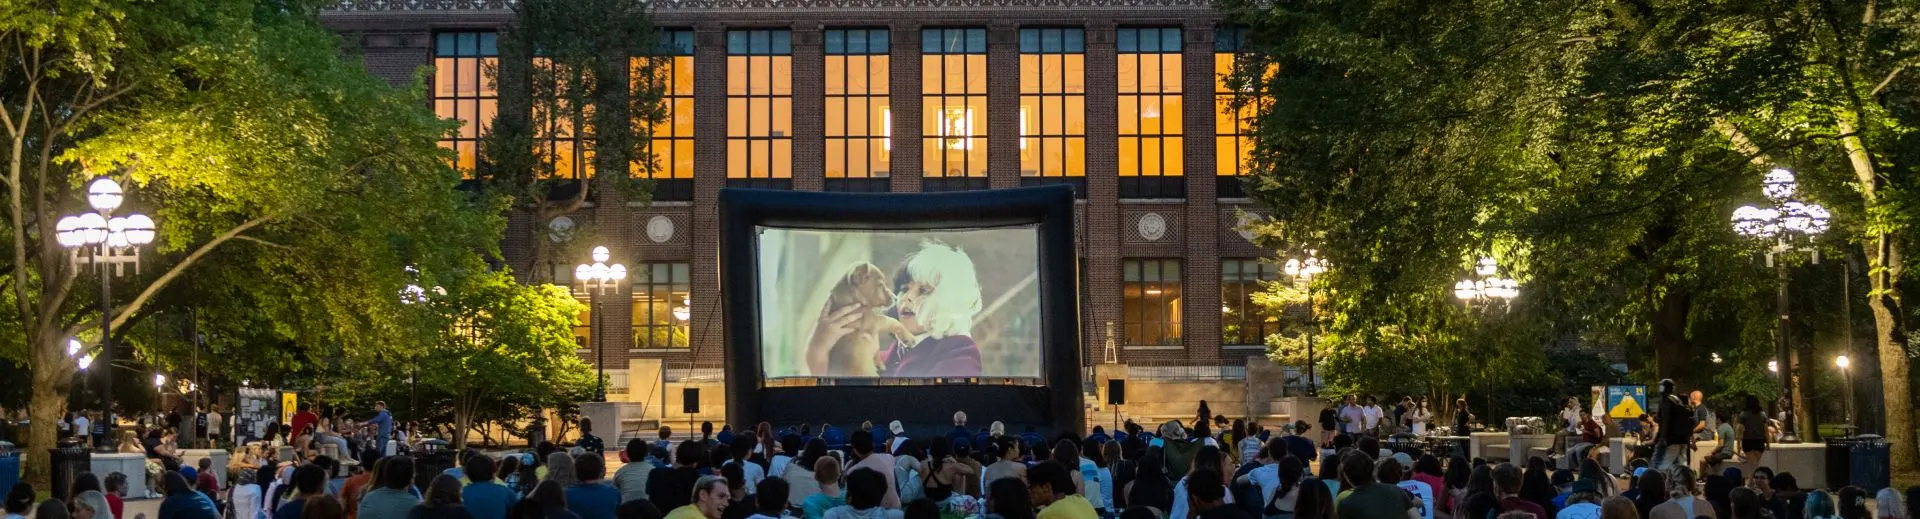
x=857, y=354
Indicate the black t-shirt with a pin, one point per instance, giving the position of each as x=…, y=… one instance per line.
x=1329, y=419
x=1676, y=420
x=200, y=424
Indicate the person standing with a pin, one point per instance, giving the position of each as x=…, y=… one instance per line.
x=1420, y=416
x=1676, y=428
x=1462, y=418
x=588, y=441
x=1753, y=435
x=1374, y=416
x=382, y=424
x=215, y=427
x=1352, y=418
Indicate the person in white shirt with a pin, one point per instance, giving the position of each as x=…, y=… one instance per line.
x=1570, y=415
x=1373, y=416
x=1420, y=416
x=81, y=426
x=1352, y=418
x=899, y=436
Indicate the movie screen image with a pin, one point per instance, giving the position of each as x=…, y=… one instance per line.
x=947, y=303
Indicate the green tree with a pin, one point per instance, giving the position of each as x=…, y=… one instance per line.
x=580, y=89
x=504, y=340
x=242, y=130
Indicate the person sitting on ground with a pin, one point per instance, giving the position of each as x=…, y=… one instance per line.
x=862, y=444
x=826, y=477
x=770, y=500
x=1365, y=497
x=1208, y=498
x=710, y=499
x=309, y=481
x=183, y=502
x=592, y=497
x=1686, y=502
x=672, y=487
x=738, y=451
x=1008, y=466
x=640, y=509
x=1509, y=479
x=442, y=501
x=866, y=496
x=1051, y=487
x=19, y=500
x=547, y=501
x=631, y=479
x=395, y=496
x=486, y=497
x=1583, y=502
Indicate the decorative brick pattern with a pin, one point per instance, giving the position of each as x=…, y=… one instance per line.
x=1230, y=242
x=809, y=102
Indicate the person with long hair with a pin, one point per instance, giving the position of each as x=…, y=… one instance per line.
x=442, y=501
x=560, y=469
x=1536, y=487
x=547, y=501
x=1744, y=503
x=800, y=473
x=1280, y=500
x=1482, y=498
x=1315, y=501
x=1150, y=486
x=1685, y=501
x=1653, y=491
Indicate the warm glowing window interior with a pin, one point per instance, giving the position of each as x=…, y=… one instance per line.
x=858, y=111
x=759, y=104
x=1150, y=102
x=463, y=89
x=953, y=72
x=1053, y=102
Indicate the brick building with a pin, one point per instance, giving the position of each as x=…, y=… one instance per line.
x=1120, y=98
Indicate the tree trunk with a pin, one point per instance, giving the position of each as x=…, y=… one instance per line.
x=1673, y=353
x=462, y=421
x=1890, y=336
x=1805, y=424
x=49, y=405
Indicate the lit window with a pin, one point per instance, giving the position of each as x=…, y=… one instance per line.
x=1152, y=153
x=1053, y=103
x=662, y=305
x=954, y=85
x=760, y=107
x=562, y=129
x=1241, y=321
x=859, y=116
x=1150, y=302
x=671, y=148
x=1233, y=129
x=463, y=89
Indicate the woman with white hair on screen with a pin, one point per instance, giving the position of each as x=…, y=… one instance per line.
x=939, y=296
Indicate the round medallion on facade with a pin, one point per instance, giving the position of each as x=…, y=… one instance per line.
x=1243, y=225
x=560, y=229
x=660, y=229
x=1152, y=226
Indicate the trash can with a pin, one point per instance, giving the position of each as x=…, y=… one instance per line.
x=536, y=433
x=9, y=465
x=427, y=465
x=1839, y=461
x=1870, y=466
x=67, y=463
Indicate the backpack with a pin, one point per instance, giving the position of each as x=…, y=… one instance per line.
x=1179, y=455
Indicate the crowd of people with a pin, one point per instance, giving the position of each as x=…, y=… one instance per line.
x=1175, y=471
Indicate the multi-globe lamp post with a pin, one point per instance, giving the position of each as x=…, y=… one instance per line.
x=1785, y=227
x=1304, y=270
x=1489, y=288
x=102, y=240
x=599, y=277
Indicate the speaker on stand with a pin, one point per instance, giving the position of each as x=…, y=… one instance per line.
x=690, y=404
x=1116, y=397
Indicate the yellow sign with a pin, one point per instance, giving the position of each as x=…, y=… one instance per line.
x=288, y=402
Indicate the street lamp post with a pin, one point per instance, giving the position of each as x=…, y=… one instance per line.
x=1304, y=271
x=1784, y=224
x=1846, y=374
x=1488, y=289
x=600, y=277
x=102, y=240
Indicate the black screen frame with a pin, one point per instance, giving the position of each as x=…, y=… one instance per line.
x=1055, y=405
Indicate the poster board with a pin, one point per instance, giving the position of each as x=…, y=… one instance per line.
x=1626, y=402
x=253, y=412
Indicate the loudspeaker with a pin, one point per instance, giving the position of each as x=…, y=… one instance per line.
x=1117, y=391
x=690, y=400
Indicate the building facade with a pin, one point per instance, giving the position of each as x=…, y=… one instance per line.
x=1123, y=99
